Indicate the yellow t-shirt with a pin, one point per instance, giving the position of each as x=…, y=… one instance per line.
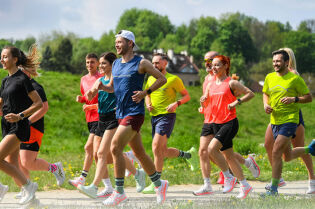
x=278, y=87
x=166, y=94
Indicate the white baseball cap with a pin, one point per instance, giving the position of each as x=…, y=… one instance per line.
x=128, y=35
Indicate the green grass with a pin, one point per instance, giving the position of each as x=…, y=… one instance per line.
x=66, y=133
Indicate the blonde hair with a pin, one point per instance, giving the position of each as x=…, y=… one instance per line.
x=292, y=61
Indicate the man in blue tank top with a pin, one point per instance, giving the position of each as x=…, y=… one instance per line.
x=127, y=81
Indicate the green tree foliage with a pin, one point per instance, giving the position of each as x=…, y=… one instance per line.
x=25, y=44
x=62, y=56
x=47, y=62
x=307, y=26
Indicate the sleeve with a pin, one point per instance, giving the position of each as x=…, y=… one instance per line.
x=82, y=92
x=301, y=86
x=28, y=85
x=178, y=84
x=266, y=86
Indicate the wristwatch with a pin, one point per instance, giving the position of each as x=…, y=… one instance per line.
x=239, y=101
x=296, y=99
x=21, y=115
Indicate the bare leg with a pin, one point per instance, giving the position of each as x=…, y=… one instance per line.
x=233, y=163
x=29, y=161
x=215, y=153
x=88, y=153
x=269, y=142
x=96, y=144
x=204, y=156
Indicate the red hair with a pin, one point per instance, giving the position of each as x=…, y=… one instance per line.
x=225, y=61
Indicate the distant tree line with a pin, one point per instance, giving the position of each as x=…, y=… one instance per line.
x=248, y=41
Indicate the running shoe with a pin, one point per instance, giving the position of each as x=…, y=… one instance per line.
x=244, y=190
x=282, y=183
x=311, y=187
x=161, y=192
x=29, y=192
x=194, y=160
x=115, y=199
x=106, y=192
x=221, y=178
x=269, y=193
x=254, y=168
x=149, y=189
x=90, y=191
x=76, y=181
x=59, y=174
x=229, y=184
x=204, y=190
x=311, y=146
x=3, y=191
x=19, y=195
x=140, y=180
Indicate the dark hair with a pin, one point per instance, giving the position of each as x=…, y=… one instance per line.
x=285, y=54
x=162, y=55
x=91, y=55
x=109, y=56
x=30, y=61
x=225, y=61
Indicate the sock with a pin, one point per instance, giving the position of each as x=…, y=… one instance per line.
x=84, y=173
x=107, y=183
x=159, y=173
x=274, y=184
x=27, y=182
x=183, y=154
x=137, y=172
x=307, y=150
x=247, y=162
x=93, y=186
x=52, y=168
x=206, y=182
x=119, y=182
x=155, y=178
x=244, y=183
x=227, y=174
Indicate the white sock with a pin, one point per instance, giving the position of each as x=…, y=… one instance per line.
x=107, y=183
x=244, y=183
x=207, y=182
x=247, y=162
x=227, y=174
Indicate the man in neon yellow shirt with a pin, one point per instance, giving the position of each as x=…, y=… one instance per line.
x=282, y=91
x=162, y=106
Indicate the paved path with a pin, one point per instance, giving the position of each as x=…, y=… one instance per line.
x=176, y=194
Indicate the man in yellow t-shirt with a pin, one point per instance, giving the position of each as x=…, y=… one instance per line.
x=162, y=105
x=282, y=91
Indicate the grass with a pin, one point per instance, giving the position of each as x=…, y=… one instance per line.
x=66, y=133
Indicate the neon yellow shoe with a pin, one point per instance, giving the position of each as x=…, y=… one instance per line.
x=194, y=160
x=149, y=189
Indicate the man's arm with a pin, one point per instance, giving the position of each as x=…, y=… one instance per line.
x=185, y=98
x=267, y=107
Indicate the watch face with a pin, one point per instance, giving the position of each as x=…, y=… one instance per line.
x=21, y=115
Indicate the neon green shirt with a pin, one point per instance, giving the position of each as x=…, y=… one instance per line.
x=277, y=87
x=166, y=94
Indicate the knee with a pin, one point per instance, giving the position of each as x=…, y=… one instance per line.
x=25, y=163
x=203, y=153
x=100, y=155
x=115, y=150
x=158, y=150
x=88, y=149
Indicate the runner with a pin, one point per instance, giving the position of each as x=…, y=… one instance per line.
x=297, y=140
x=126, y=82
x=282, y=90
x=90, y=108
x=106, y=128
x=18, y=100
x=162, y=106
x=206, y=137
x=3, y=191
x=29, y=150
x=224, y=123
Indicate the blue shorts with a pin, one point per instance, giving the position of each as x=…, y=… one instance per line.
x=301, y=121
x=163, y=124
x=286, y=129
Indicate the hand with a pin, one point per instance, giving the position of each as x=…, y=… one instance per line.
x=203, y=98
x=201, y=110
x=88, y=107
x=287, y=100
x=79, y=98
x=12, y=118
x=150, y=107
x=268, y=109
x=89, y=95
x=232, y=105
x=172, y=107
x=138, y=96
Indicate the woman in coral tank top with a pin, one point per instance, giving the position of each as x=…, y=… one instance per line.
x=223, y=94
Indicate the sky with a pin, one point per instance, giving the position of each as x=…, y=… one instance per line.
x=91, y=18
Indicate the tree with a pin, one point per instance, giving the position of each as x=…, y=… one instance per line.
x=307, y=26
x=47, y=63
x=62, y=56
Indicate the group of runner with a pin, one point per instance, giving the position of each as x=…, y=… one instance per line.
x=114, y=104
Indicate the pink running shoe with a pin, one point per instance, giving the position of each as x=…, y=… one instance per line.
x=161, y=192
x=229, y=184
x=244, y=190
x=78, y=180
x=115, y=199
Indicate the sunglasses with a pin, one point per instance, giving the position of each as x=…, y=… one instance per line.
x=208, y=61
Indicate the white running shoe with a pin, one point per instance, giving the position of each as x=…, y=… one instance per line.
x=254, y=168
x=229, y=183
x=282, y=183
x=311, y=187
x=133, y=159
x=59, y=174
x=161, y=192
x=29, y=192
x=90, y=191
x=140, y=180
x=3, y=191
x=204, y=190
x=244, y=190
x=19, y=195
x=106, y=192
x=76, y=181
x=115, y=199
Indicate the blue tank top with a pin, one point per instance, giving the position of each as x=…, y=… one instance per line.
x=126, y=80
x=106, y=101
